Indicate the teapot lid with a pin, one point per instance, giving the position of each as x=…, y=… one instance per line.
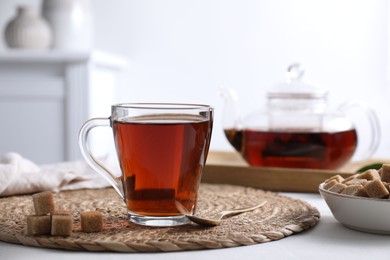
x=295, y=87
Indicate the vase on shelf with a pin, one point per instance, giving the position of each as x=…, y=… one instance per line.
x=71, y=22
x=27, y=30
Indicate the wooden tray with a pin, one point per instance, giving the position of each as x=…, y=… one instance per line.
x=230, y=168
x=273, y=179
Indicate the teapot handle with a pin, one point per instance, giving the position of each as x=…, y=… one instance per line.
x=374, y=124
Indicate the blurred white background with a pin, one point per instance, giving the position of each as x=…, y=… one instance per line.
x=184, y=51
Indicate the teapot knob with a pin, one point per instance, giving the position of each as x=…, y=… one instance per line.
x=295, y=72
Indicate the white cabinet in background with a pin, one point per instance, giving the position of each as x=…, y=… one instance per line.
x=45, y=97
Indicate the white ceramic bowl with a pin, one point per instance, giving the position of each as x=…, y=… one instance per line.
x=363, y=214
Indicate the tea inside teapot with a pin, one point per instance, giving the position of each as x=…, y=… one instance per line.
x=294, y=149
x=297, y=130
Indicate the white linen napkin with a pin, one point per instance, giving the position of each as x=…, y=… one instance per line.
x=19, y=175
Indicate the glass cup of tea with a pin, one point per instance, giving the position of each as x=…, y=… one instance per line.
x=162, y=149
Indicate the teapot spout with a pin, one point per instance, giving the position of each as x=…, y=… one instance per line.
x=231, y=113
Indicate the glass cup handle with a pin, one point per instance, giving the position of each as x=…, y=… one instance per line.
x=90, y=159
x=374, y=125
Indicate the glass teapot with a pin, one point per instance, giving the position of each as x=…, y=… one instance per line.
x=298, y=129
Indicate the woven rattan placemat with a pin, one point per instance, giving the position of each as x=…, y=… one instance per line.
x=282, y=216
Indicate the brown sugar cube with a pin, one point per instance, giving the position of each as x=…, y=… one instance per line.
x=338, y=187
x=337, y=178
x=61, y=225
x=38, y=225
x=376, y=189
x=91, y=221
x=356, y=182
x=352, y=190
x=43, y=202
x=387, y=185
x=352, y=177
x=61, y=212
x=371, y=174
x=329, y=184
x=385, y=176
x=361, y=193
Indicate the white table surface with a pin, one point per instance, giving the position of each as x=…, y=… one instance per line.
x=328, y=240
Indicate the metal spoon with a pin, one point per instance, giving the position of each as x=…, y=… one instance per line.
x=216, y=220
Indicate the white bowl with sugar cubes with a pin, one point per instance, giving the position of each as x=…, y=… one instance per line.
x=361, y=201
